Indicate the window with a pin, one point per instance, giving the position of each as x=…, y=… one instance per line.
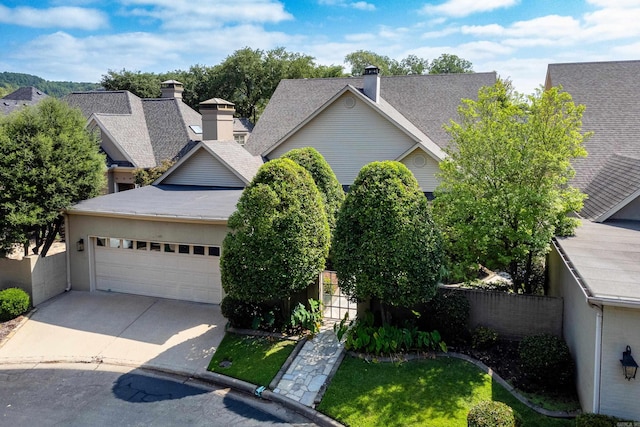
x=127, y=244
x=114, y=243
x=170, y=248
x=214, y=251
x=183, y=249
x=198, y=250
x=100, y=241
x=239, y=138
x=155, y=246
x=196, y=128
x=141, y=245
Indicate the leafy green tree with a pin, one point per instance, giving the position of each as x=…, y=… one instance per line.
x=386, y=245
x=144, y=177
x=279, y=235
x=144, y=85
x=449, y=64
x=324, y=177
x=360, y=59
x=48, y=161
x=504, y=190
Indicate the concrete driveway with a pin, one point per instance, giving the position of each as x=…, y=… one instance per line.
x=119, y=329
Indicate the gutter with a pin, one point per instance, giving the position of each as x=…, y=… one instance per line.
x=68, y=250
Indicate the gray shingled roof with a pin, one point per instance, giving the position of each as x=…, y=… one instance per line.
x=606, y=256
x=427, y=101
x=236, y=158
x=164, y=201
x=147, y=130
x=610, y=92
x=19, y=98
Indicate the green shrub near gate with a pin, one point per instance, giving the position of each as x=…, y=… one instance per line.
x=13, y=303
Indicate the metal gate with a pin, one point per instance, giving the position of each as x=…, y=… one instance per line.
x=335, y=303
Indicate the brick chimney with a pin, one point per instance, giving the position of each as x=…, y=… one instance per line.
x=172, y=89
x=372, y=82
x=217, y=120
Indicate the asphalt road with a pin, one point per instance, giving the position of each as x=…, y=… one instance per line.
x=95, y=395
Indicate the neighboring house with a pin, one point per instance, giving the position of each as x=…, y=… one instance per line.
x=164, y=240
x=597, y=271
x=17, y=99
x=142, y=132
x=354, y=121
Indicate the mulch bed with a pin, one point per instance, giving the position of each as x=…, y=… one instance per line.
x=7, y=327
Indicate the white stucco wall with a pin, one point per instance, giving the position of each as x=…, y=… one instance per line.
x=579, y=326
x=619, y=397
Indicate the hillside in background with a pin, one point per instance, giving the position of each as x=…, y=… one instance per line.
x=12, y=81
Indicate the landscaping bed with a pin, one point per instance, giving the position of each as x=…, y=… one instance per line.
x=7, y=327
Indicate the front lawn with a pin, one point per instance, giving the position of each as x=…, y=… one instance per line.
x=253, y=359
x=436, y=392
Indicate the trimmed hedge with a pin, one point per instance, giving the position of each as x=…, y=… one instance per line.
x=546, y=361
x=493, y=414
x=13, y=303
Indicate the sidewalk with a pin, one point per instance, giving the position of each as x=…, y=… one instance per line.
x=307, y=375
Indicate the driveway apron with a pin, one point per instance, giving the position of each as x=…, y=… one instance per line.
x=120, y=329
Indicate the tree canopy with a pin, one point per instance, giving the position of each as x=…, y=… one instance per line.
x=279, y=235
x=412, y=64
x=504, y=188
x=450, y=64
x=386, y=245
x=48, y=161
x=322, y=174
x=247, y=78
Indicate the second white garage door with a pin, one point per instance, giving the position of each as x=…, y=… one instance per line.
x=168, y=270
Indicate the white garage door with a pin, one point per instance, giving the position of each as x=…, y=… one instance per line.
x=168, y=270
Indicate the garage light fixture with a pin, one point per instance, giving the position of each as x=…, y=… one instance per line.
x=80, y=245
x=629, y=365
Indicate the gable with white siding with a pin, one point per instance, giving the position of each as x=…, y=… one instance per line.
x=202, y=169
x=424, y=168
x=349, y=133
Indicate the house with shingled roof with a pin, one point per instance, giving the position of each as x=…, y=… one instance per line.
x=165, y=240
x=19, y=98
x=597, y=271
x=356, y=120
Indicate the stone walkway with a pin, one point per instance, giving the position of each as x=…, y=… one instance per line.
x=311, y=368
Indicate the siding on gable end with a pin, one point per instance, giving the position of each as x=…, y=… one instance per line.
x=349, y=138
x=204, y=170
x=424, y=168
x=630, y=211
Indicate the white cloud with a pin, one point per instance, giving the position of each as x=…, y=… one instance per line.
x=461, y=8
x=208, y=13
x=58, y=17
x=360, y=5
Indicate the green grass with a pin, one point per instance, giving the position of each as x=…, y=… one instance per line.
x=253, y=359
x=434, y=393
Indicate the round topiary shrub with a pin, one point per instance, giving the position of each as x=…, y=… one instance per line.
x=493, y=414
x=546, y=361
x=13, y=303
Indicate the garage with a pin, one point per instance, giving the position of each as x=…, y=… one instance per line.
x=189, y=272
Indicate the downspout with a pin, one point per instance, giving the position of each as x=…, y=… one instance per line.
x=68, y=247
x=597, y=360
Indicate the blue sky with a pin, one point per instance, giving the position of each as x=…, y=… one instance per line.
x=80, y=40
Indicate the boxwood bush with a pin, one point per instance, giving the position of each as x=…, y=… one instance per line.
x=493, y=414
x=546, y=361
x=13, y=303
